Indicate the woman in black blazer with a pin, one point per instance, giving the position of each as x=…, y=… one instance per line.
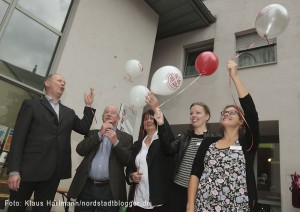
x=150, y=169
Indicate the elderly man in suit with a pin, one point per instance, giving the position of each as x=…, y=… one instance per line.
x=99, y=182
x=40, y=153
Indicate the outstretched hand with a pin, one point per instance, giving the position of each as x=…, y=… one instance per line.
x=152, y=101
x=89, y=97
x=232, y=68
x=159, y=116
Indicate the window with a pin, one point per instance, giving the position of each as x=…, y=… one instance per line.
x=268, y=168
x=253, y=50
x=191, y=55
x=3, y=8
x=30, y=31
x=29, y=35
x=11, y=98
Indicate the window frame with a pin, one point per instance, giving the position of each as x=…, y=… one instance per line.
x=250, y=41
x=202, y=47
x=62, y=35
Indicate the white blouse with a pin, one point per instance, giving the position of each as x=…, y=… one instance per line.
x=141, y=197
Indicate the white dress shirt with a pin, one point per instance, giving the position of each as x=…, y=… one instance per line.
x=141, y=197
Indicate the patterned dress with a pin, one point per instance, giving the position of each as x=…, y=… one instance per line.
x=223, y=182
x=222, y=172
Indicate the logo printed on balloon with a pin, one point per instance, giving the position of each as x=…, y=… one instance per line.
x=174, y=81
x=133, y=69
x=166, y=80
x=264, y=11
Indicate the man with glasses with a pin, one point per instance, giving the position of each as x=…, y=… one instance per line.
x=99, y=182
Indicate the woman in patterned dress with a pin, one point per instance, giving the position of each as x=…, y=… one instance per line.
x=222, y=177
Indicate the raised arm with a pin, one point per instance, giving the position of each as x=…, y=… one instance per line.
x=165, y=133
x=240, y=87
x=246, y=101
x=89, y=98
x=153, y=103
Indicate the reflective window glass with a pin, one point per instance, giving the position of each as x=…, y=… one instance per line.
x=253, y=50
x=52, y=12
x=268, y=177
x=3, y=8
x=26, y=50
x=11, y=98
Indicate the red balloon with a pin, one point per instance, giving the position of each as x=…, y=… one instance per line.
x=206, y=63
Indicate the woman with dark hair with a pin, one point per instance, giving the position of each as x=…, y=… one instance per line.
x=149, y=171
x=184, y=148
x=222, y=177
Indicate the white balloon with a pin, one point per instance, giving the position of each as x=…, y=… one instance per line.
x=166, y=80
x=137, y=95
x=271, y=21
x=133, y=69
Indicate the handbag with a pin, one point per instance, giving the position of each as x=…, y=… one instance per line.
x=295, y=189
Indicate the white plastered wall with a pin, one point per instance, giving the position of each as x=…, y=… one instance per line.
x=275, y=88
x=103, y=36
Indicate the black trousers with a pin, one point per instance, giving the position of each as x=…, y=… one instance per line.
x=162, y=208
x=96, y=198
x=178, y=198
x=44, y=193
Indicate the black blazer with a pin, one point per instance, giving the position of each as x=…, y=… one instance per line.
x=120, y=156
x=159, y=172
x=40, y=147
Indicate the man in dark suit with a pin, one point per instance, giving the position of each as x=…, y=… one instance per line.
x=40, y=153
x=99, y=182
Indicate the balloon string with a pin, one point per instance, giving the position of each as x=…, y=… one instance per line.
x=181, y=90
x=113, y=87
x=237, y=56
x=141, y=67
x=267, y=39
x=124, y=113
x=240, y=113
x=128, y=78
x=93, y=113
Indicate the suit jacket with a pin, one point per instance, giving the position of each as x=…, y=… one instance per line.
x=120, y=156
x=40, y=147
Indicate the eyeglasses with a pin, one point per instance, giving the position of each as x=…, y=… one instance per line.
x=230, y=112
